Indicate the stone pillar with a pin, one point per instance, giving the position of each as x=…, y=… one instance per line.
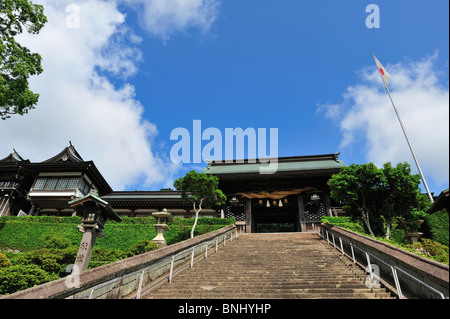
x=327, y=202
x=86, y=247
x=94, y=212
x=32, y=209
x=301, y=212
x=248, y=215
x=4, y=209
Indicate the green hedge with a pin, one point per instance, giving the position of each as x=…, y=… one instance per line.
x=437, y=227
x=48, y=244
x=433, y=248
x=344, y=222
x=29, y=232
x=19, y=277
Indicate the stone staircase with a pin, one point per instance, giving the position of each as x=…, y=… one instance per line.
x=267, y=266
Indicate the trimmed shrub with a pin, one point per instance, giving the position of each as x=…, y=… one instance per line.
x=177, y=233
x=435, y=250
x=52, y=261
x=35, y=232
x=142, y=247
x=54, y=241
x=124, y=235
x=4, y=261
x=398, y=236
x=212, y=221
x=344, y=222
x=19, y=277
x=102, y=256
x=26, y=233
x=437, y=227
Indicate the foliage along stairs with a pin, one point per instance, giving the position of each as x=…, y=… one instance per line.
x=268, y=266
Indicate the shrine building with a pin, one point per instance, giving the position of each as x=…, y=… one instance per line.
x=293, y=199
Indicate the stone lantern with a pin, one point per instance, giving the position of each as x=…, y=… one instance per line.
x=163, y=217
x=411, y=228
x=94, y=212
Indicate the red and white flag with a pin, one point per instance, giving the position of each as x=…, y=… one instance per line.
x=384, y=74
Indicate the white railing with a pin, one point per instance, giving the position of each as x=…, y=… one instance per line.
x=370, y=266
x=193, y=254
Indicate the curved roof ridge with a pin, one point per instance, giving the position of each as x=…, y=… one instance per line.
x=13, y=158
x=68, y=154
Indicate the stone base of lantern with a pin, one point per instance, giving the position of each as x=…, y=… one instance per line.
x=159, y=239
x=413, y=237
x=160, y=243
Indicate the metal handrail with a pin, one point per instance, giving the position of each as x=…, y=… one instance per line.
x=369, y=267
x=174, y=257
x=421, y=282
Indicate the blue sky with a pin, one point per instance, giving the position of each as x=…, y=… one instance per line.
x=304, y=67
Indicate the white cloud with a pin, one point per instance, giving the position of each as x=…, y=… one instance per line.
x=369, y=125
x=164, y=17
x=79, y=103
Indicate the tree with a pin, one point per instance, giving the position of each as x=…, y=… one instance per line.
x=374, y=193
x=400, y=193
x=202, y=189
x=356, y=186
x=17, y=63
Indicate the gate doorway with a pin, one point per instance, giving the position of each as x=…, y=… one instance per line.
x=276, y=218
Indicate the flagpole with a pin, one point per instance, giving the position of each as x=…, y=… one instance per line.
x=411, y=148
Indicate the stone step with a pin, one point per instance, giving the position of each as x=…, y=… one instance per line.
x=265, y=295
x=202, y=288
x=272, y=291
x=248, y=278
x=296, y=265
x=236, y=279
x=273, y=276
